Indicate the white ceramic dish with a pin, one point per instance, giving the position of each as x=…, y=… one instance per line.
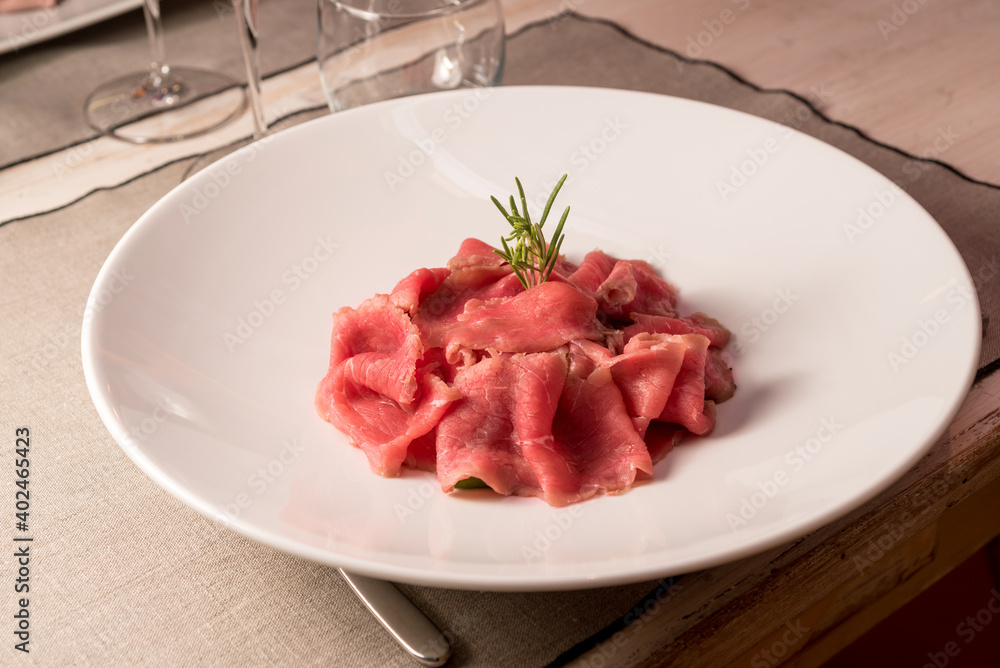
x=21, y=29
x=207, y=329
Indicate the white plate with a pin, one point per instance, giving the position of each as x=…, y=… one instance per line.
x=20, y=29
x=824, y=417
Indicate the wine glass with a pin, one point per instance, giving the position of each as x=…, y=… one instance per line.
x=372, y=50
x=131, y=107
x=246, y=23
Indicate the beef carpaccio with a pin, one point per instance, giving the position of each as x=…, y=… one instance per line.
x=566, y=390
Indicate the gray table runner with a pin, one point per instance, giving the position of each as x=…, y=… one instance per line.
x=126, y=575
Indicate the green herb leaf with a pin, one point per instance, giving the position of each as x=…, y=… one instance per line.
x=532, y=258
x=470, y=483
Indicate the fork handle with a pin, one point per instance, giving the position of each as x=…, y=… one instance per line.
x=407, y=624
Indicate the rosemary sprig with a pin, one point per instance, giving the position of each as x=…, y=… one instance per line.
x=526, y=250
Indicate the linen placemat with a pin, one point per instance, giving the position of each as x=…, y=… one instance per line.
x=122, y=574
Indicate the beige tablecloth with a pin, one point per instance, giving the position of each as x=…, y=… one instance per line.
x=123, y=574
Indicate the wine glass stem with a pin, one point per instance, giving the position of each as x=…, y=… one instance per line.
x=154, y=26
x=246, y=17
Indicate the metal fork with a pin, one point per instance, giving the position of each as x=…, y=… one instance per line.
x=407, y=624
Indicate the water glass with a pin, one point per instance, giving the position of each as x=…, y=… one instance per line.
x=371, y=50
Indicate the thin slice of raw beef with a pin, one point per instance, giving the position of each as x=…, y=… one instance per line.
x=440, y=309
x=719, y=383
x=594, y=426
x=421, y=454
x=408, y=292
x=543, y=318
x=372, y=391
x=645, y=373
x=592, y=272
x=379, y=348
x=619, y=287
x=687, y=405
x=475, y=253
x=501, y=429
x=378, y=425
x=662, y=437
x=638, y=282
x=697, y=323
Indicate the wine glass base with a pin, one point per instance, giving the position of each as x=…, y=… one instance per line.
x=142, y=109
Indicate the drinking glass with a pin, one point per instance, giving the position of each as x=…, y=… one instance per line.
x=372, y=50
x=129, y=107
x=246, y=24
